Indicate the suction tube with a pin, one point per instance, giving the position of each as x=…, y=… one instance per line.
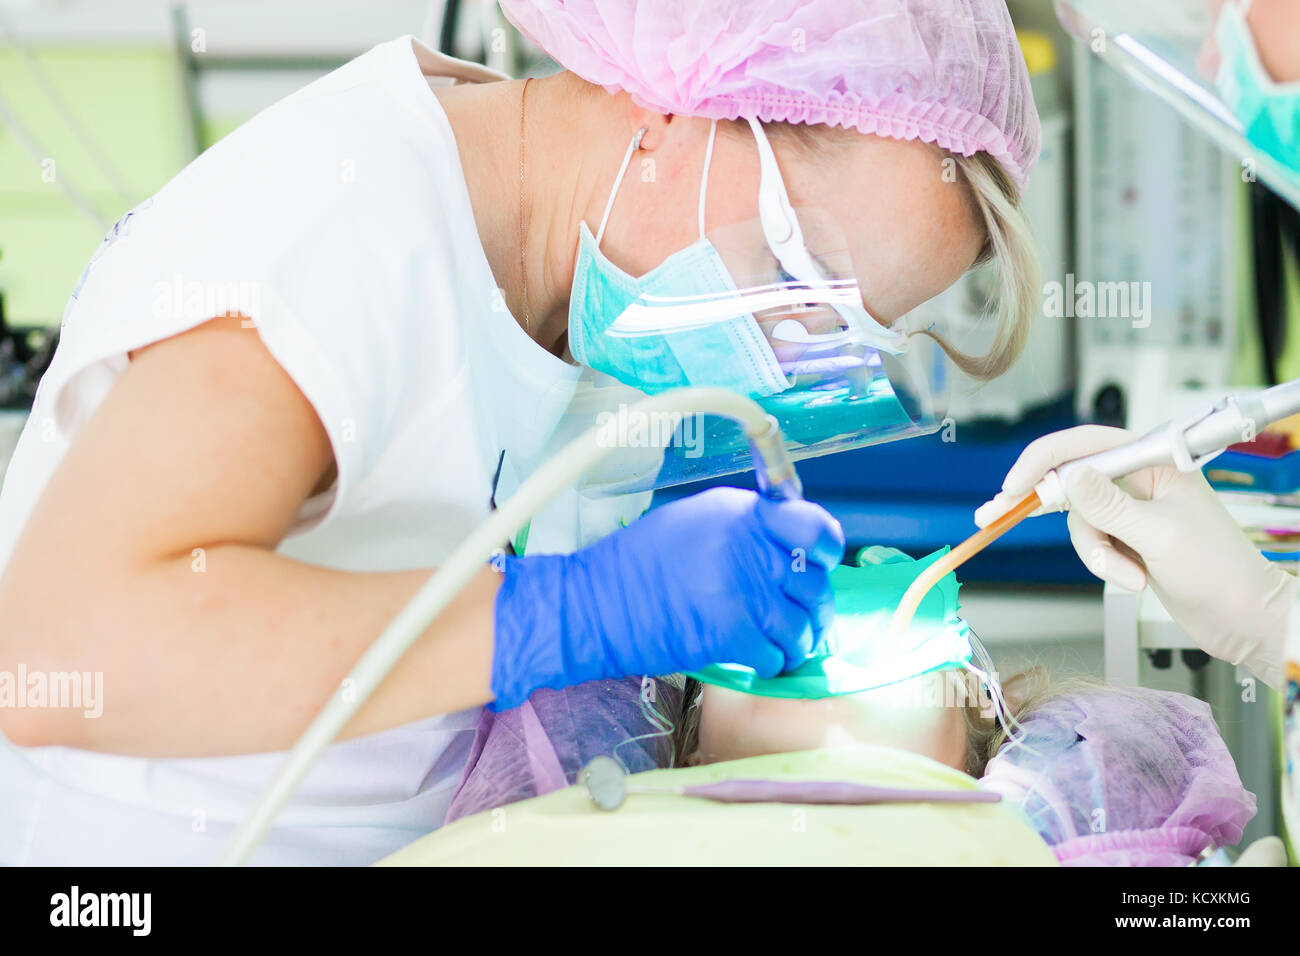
x=776, y=478
x=1186, y=443
x=958, y=556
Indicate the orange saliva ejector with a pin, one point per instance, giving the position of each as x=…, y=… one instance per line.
x=954, y=559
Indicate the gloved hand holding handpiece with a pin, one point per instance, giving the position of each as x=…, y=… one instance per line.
x=724, y=576
x=1165, y=527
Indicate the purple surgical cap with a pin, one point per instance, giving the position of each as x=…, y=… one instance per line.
x=948, y=72
x=542, y=745
x=1124, y=777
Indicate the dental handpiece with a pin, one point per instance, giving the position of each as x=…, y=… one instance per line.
x=1187, y=443
x=775, y=475
x=773, y=468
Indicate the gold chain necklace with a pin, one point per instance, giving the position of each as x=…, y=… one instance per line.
x=523, y=236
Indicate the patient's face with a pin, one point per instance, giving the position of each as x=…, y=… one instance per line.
x=912, y=715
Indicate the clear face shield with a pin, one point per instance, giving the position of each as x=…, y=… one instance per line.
x=770, y=308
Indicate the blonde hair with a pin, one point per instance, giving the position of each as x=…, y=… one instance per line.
x=1011, y=247
x=985, y=734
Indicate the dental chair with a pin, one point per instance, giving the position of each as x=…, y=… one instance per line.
x=566, y=827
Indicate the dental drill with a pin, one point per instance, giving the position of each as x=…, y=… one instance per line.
x=1186, y=443
x=776, y=479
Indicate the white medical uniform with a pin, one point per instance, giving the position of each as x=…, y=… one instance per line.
x=339, y=220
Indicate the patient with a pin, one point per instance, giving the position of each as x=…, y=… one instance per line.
x=943, y=715
x=1113, y=776
x=1106, y=776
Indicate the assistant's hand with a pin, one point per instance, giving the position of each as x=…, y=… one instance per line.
x=721, y=577
x=1167, y=528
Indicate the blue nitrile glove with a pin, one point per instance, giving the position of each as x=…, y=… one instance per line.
x=721, y=577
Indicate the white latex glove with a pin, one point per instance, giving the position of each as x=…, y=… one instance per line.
x=1266, y=851
x=1166, y=528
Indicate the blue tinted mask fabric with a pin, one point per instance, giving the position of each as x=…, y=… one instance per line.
x=734, y=354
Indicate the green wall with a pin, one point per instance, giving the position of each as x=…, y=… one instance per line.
x=131, y=101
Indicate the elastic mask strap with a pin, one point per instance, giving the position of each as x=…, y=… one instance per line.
x=1014, y=730
x=774, y=209
x=632, y=147
x=785, y=240
x=663, y=726
x=704, y=179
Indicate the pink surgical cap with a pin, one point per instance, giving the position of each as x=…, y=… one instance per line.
x=948, y=72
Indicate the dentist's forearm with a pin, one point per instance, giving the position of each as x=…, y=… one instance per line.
x=237, y=657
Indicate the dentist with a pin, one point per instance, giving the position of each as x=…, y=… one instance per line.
x=222, y=496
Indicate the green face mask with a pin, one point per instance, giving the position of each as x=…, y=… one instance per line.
x=849, y=661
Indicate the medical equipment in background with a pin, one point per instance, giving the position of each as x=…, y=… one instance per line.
x=25, y=353
x=1156, y=238
x=1135, y=59
x=476, y=30
x=1187, y=443
x=607, y=787
x=1288, y=718
x=776, y=476
x=1045, y=372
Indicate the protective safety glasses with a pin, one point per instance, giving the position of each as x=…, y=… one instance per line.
x=771, y=308
x=789, y=271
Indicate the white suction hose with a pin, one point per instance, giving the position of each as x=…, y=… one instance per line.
x=466, y=561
